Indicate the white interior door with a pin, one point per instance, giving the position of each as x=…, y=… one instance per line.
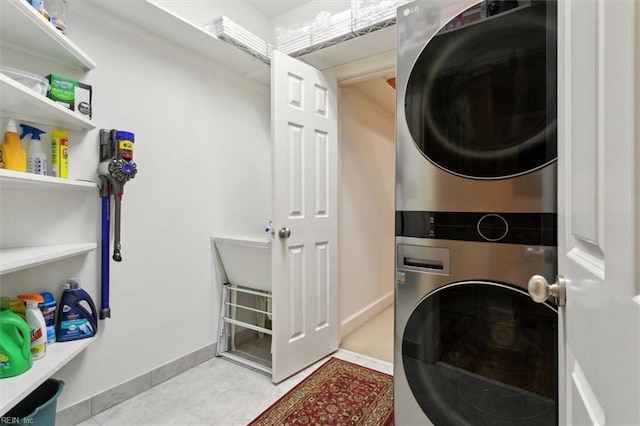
x=305, y=273
x=598, y=217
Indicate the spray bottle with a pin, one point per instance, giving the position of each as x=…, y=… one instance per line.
x=36, y=323
x=36, y=158
x=13, y=154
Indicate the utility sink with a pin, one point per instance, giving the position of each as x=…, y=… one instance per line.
x=246, y=259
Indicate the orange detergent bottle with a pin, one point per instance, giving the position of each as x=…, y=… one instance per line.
x=13, y=154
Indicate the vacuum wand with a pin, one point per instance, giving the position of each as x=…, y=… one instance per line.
x=105, y=311
x=116, y=227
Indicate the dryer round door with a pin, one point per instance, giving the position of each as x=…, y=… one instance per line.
x=482, y=353
x=481, y=97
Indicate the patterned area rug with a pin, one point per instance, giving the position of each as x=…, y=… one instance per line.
x=337, y=393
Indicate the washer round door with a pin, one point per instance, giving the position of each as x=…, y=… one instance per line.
x=483, y=353
x=481, y=97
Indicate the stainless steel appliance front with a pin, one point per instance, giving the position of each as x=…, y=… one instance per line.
x=475, y=213
x=471, y=346
x=476, y=116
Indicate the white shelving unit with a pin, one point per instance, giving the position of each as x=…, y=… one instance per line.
x=15, y=259
x=10, y=179
x=24, y=29
x=23, y=104
x=14, y=389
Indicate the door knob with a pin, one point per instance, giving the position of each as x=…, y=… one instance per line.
x=284, y=232
x=540, y=289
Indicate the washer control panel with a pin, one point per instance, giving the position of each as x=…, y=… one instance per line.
x=493, y=227
x=505, y=227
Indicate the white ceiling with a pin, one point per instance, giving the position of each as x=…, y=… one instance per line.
x=272, y=9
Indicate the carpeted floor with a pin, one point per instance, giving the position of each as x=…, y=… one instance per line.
x=337, y=393
x=374, y=339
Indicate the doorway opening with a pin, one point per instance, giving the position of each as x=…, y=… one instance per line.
x=367, y=207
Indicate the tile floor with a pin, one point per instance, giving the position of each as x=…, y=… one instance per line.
x=374, y=338
x=217, y=392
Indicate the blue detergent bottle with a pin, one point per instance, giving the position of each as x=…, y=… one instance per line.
x=48, y=309
x=74, y=320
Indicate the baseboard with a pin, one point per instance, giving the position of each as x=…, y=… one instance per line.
x=89, y=407
x=362, y=316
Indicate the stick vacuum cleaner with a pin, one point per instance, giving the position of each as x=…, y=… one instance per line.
x=115, y=169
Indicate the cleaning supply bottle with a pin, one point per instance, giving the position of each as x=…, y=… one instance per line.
x=18, y=307
x=48, y=309
x=58, y=14
x=15, y=352
x=36, y=158
x=14, y=155
x=74, y=320
x=43, y=10
x=36, y=323
x=59, y=153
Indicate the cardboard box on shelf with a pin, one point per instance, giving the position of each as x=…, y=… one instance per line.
x=70, y=93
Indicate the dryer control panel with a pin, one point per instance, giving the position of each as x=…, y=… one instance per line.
x=537, y=229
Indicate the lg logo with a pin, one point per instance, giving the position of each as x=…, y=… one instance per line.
x=410, y=10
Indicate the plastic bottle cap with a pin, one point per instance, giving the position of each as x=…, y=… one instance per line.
x=48, y=298
x=31, y=297
x=72, y=284
x=11, y=126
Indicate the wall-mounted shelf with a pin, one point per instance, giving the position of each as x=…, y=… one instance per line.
x=24, y=30
x=23, y=104
x=14, y=389
x=43, y=39
x=10, y=179
x=162, y=24
x=15, y=259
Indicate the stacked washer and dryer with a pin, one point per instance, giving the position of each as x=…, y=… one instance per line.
x=475, y=213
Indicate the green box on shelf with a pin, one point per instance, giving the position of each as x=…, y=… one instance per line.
x=70, y=93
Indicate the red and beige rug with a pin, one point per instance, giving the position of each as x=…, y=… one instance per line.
x=337, y=393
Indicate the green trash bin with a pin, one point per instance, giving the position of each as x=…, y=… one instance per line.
x=37, y=408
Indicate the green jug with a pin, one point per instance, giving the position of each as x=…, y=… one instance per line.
x=15, y=340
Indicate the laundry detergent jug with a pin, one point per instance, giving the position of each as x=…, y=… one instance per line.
x=74, y=320
x=15, y=342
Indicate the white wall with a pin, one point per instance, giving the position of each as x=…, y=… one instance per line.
x=367, y=208
x=203, y=153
